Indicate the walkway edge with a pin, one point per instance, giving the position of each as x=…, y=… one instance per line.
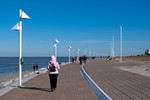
x=96, y=89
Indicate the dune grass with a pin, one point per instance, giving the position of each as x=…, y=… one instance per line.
x=138, y=58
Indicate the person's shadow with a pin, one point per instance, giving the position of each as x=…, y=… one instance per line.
x=35, y=88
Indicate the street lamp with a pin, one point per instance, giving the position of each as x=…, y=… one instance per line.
x=90, y=54
x=69, y=52
x=113, y=53
x=78, y=54
x=93, y=54
x=55, y=45
x=18, y=27
x=85, y=52
x=120, y=43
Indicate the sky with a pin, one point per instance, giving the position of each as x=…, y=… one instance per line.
x=85, y=24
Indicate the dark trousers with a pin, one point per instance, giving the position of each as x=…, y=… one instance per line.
x=53, y=80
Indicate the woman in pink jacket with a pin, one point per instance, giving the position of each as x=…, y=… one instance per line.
x=53, y=74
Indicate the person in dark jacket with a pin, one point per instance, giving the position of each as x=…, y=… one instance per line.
x=34, y=67
x=73, y=59
x=37, y=67
x=84, y=58
x=80, y=59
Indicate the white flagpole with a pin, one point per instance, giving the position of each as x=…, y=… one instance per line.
x=20, y=50
x=120, y=43
x=113, y=47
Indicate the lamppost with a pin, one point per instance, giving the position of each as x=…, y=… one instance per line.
x=93, y=54
x=78, y=54
x=90, y=54
x=18, y=27
x=85, y=52
x=69, y=52
x=55, y=45
x=120, y=43
x=113, y=53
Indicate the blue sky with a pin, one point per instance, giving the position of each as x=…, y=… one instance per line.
x=85, y=24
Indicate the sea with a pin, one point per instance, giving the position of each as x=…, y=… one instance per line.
x=10, y=65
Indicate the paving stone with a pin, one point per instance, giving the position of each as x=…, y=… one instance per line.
x=71, y=86
x=118, y=84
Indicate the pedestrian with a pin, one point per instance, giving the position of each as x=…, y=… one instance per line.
x=37, y=67
x=73, y=59
x=53, y=74
x=76, y=59
x=80, y=59
x=34, y=67
x=84, y=58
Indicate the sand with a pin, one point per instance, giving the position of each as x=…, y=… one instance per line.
x=11, y=76
x=143, y=67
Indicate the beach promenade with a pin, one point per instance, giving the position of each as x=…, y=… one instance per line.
x=117, y=84
x=71, y=86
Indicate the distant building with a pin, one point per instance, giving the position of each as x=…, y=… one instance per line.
x=147, y=52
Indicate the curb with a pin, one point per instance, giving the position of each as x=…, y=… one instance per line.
x=101, y=95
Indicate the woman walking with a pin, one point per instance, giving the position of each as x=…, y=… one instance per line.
x=53, y=68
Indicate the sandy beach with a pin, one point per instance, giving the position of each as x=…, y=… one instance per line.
x=11, y=76
x=142, y=66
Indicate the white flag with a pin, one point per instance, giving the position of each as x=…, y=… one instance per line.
x=16, y=27
x=24, y=16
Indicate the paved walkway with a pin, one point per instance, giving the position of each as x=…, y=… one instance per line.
x=71, y=86
x=118, y=84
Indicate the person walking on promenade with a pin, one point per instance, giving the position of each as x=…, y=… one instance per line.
x=80, y=59
x=37, y=67
x=53, y=74
x=73, y=59
x=84, y=58
x=34, y=67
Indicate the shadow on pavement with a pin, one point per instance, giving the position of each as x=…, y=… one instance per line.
x=35, y=88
